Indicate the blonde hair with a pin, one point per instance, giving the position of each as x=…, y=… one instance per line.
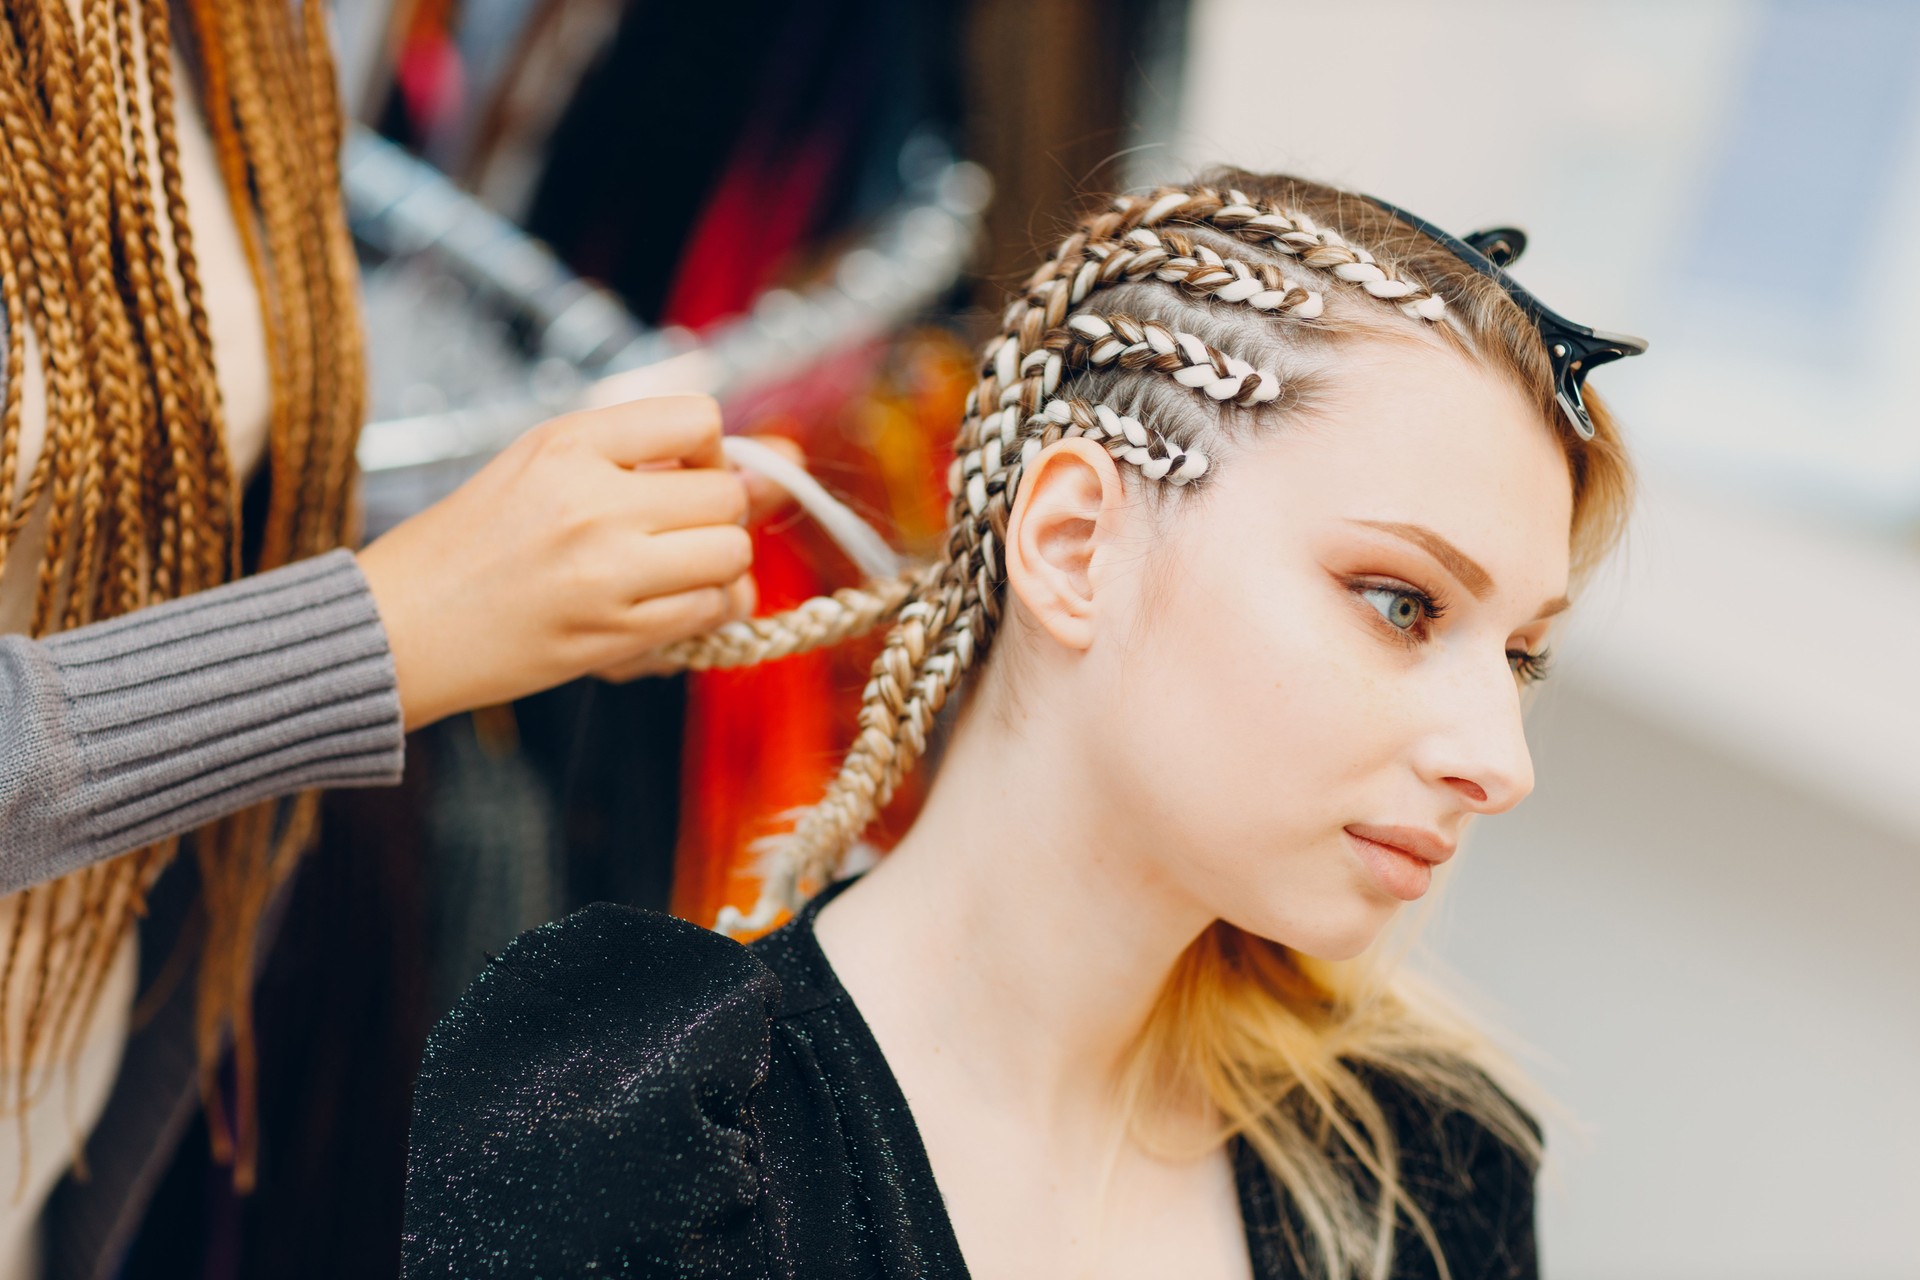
x=1163, y=327
x=141, y=497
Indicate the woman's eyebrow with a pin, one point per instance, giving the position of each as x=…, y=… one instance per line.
x=1475, y=579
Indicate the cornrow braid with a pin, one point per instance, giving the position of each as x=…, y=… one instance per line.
x=1293, y=234
x=1177, y=259
x=1147, y=344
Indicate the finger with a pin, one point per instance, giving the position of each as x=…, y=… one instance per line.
x=684, y=429
x=686, y=499
x=650, y=663
x=685, y=559
x=744, y=594
x=764, y=497
x=669, y=619
x=653, y=661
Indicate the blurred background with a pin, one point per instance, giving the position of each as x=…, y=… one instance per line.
x=1703, y=921
x=1700, y=931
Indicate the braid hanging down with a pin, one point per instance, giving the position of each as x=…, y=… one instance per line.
x=97, y=256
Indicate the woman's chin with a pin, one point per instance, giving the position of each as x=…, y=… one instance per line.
x=1336, y=932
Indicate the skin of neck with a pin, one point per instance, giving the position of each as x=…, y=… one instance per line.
x=1017, y=913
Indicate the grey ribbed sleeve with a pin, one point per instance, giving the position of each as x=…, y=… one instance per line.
x=126, y=731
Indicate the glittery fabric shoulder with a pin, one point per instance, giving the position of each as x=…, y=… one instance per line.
x=583, y=1110
x=625, y=1094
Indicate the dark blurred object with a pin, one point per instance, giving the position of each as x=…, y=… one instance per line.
x=813, y=101
x=1052, y=90
x=1043, y=95
x=342, y=1007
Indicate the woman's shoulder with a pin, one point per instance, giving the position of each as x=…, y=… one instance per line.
x=585, y=1105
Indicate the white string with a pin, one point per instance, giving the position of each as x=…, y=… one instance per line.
x=861, y=542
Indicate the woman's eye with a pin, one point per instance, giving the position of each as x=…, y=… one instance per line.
x=1404, y=609
x=1529, y=668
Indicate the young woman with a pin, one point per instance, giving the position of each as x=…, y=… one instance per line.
x=1264, y=511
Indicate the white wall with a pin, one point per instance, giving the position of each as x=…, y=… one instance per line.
x=1721, y=975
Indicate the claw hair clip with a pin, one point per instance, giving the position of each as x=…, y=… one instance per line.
x=1575, y=350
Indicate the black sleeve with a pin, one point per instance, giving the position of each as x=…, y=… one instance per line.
x=585, y=1108
x=1476, y=1189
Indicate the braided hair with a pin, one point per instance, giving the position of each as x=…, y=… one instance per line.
x=1117, y=318
x=140, y=498
x=1164, y=327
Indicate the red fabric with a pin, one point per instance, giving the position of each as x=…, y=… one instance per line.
x=758, y=741
x=432, y=82
x=753, y=222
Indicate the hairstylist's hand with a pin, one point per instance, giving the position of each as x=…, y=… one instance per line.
x=590, y=541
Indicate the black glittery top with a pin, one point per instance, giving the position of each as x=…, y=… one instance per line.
x=625, y=1094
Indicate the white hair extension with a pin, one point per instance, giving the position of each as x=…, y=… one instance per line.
x=860, y=540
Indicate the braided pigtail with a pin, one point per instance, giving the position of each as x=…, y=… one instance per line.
x=819, y=623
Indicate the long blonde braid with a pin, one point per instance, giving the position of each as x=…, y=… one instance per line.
x=140, y=496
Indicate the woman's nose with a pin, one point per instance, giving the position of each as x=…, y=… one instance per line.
x=1478, y=747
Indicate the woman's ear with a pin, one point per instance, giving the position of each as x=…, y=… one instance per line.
x=1069, y=502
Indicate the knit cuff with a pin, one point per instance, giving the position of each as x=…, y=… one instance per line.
x=198, y=707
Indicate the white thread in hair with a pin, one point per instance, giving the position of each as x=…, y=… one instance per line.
x=1007, y=360
x=1296, y=235
x=977, y=494
x=1127, y=439
x=1234, y=281
x=861, y=542
x=1165, y=205
x=1106, y=345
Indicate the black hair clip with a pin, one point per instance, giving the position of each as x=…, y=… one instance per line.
x=1574, y=349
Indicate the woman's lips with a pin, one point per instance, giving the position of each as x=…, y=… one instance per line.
x=1401, y=859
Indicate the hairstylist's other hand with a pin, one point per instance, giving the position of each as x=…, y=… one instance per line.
x=590, y=541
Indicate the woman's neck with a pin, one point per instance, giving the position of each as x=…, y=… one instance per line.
x=1014, y=921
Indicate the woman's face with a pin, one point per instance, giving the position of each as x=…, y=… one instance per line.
x=1318, y=664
